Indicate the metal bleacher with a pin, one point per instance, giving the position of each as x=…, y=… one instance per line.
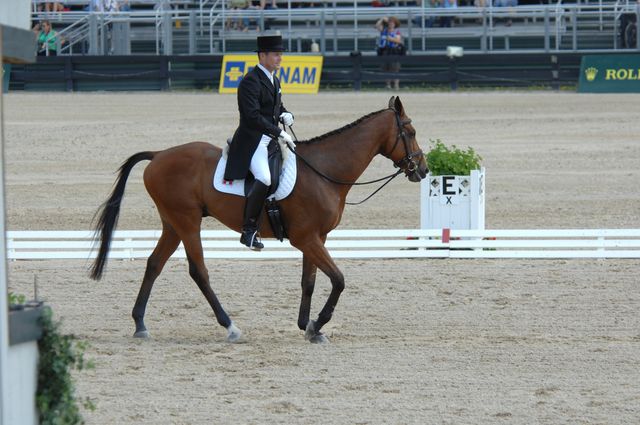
x=338, y=27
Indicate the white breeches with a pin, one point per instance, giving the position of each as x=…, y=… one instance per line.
x=260, y=163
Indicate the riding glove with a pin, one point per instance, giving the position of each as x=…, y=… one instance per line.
x=285, y=137
x=286, y=118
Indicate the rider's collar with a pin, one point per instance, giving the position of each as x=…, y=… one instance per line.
x=266, y=72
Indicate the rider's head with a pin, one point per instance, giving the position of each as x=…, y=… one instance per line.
x=270, y=50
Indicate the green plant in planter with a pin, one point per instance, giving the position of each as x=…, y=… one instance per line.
x=59, y=354
x=444, y=161
x=16, y=299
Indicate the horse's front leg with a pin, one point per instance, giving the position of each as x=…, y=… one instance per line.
x=319, y=255
x=308, y=284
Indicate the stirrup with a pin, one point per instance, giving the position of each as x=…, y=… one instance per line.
x=252, y=240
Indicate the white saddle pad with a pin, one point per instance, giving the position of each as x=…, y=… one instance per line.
x=236, y=187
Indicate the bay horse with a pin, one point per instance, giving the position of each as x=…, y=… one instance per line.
x=179, y=180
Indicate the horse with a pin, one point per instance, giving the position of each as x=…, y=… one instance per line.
x=179, y=180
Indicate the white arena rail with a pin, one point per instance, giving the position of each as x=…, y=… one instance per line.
x=401, y=243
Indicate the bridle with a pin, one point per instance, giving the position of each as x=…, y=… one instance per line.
x=409, y=161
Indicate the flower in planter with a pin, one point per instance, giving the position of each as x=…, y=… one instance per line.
x=443, y=160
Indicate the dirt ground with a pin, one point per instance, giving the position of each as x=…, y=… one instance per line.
x=412, y=341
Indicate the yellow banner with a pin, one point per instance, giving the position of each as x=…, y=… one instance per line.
x=297, y=74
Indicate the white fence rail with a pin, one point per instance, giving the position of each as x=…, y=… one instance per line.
x=401, y=243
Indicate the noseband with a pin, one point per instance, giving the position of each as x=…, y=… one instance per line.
x=408, y=163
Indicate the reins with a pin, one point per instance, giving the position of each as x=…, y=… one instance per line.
x=332, y=180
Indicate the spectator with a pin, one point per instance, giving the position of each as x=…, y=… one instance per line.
x=47, y=39
x=272, y=4
x=506, y=3
x=239, y=23
x=446, y=20
x=111, y=6
x=428, y=20
x=390, y=44
x=95, y=6
x=53, y=7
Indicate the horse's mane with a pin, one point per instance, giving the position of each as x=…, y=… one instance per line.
x=342, y=129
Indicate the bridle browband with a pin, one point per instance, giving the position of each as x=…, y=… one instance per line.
x=411, y=164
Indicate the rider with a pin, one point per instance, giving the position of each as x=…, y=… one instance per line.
x=261, y=108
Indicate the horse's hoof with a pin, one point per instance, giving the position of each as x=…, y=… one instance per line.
x=310, y=331
x=312, y=336
x=142, y=334
x=319, y=339
x=233, y=333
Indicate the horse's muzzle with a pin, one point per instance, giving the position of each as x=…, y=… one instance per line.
x=417, y=172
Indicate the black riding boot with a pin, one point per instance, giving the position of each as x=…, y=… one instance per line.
x=252, y=211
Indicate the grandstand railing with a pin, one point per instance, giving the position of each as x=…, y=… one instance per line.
x=341, y=27
x=378, y=243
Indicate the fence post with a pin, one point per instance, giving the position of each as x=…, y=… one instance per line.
x=574, y=29
x=547, y=40
x=165, y=81
x=356, y=58
x=637, y=25
x=323, y=31
x=409, y=46
x=93, y=34
x=192, y=32
x=68, y=73
x=555, y=72
x=453, y=73
x=167, y=33
x=483, y=39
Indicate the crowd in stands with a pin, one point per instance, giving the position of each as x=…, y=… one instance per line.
x=125, y=5
x=244, y=23
x=80, y=6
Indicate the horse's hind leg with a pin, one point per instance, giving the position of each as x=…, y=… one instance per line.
x=166, y=246
x=198, y=272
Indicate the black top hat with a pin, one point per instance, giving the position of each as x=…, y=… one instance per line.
x=270, y=43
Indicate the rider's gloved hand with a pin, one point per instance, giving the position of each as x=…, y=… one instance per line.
x=286, y=118
x=285, y=137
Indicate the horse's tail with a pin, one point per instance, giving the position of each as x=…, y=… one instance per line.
x=110, y=210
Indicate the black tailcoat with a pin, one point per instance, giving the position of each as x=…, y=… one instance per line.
x=260, y=107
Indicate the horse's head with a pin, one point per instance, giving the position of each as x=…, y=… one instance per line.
x=402, y=148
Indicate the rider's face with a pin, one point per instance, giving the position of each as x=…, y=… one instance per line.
x=271, y=60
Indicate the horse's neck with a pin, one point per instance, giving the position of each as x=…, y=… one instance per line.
x=345, y=156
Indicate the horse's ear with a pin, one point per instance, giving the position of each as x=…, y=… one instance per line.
x=398, y=105
x=392, y=102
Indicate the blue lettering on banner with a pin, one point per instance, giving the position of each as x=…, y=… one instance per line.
x=233, y=73
x=284, y=75
x=295, y=78
x=309, y=77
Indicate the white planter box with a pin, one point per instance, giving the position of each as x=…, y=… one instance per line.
x=22, y=366
x=452, y=202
